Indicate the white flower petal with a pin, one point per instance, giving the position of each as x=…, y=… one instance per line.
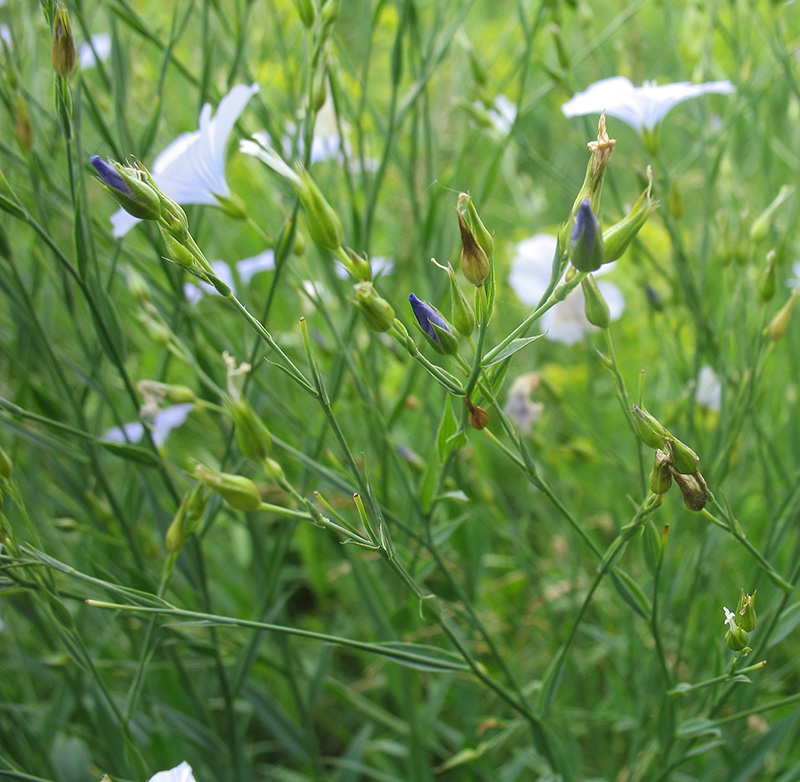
x=531, y=268
x=640, y=107
x=191, y=170
x=730, y=619
x=502, y=114
x=181, y=773
x=249, y=267
x=709, y=390
x=99, y=49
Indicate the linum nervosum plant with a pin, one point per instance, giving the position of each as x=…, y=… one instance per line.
x=160, y=669
x=472, y=375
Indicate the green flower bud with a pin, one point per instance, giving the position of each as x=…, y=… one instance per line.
x=619, y=236
x=684, y=459
x=660, y=476
x=252, y=435
x=361, y=266
x=651, y=432
x=736, y=639
x=306, y=12
x=461, y=309
x=273, y=470
x=746, y=612
x=238, y=492
x=189, y=513
x=595, y=306
x=62, y=54
x=768, y=285
x=179, y=253
x=761, y=225
x=779, y=325
x=377, y=312
x=324, y=224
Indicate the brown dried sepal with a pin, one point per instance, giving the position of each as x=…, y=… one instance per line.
x=693, y=487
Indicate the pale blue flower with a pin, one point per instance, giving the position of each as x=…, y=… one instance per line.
x=246, y=269
x=708, y=391
x=98, y=50
x=191, y=170
x=162, y=424
x=640, y=107
x=530, y=276
x=181, y=773
x=502, y=114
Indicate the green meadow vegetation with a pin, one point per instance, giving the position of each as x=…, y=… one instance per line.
x=282, y=499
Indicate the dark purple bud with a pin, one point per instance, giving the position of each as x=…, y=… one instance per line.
x=586, y=242
x=426, y=316
x=109, y=175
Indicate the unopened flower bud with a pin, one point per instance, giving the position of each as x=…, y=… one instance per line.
x=684, y=459
x=324, y=224
x=306, y=12
x=23, y=127
x=660, y=476
x=361, y=266
x=651, y=432
x=779, y=325
x=768, y=286
x=474, y=261
x=586, y=242
x=377, y=312
x=735, y=637
x=179, y=253
x=466, y=207
x=273, y=470
x=693, y=488
x=746, y=612
x=189, y=513
x=618, y=237
x=252, y=435
x=135, y=196
x=595, y=306
x=62, y=54
x=461, y=310
x=435, y=328
x=761, y=225
x=238, y=492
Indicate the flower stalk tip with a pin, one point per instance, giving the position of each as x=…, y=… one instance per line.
x=63, y=55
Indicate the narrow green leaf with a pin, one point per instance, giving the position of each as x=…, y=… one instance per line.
x=509, y=350
x=134, y=453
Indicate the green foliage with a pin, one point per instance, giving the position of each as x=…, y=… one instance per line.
x=410, y=593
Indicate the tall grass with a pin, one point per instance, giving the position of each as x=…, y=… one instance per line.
x=415, y=597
